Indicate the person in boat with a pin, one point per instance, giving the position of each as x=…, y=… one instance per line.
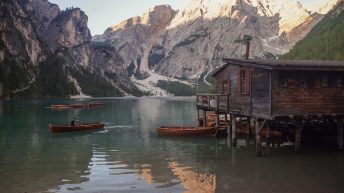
x=72, y=123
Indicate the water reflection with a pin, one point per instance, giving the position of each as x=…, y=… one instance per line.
x=193, y=181
x=128, y=155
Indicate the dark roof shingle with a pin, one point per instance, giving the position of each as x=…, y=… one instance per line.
x=285, y=64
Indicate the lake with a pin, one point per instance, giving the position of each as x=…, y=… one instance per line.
x=129, y=156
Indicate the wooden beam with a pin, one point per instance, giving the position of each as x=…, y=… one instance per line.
x=233, y=123
x=198, y=117
x=298, y=131
x=340, y=134
x=204, y=118
x=267, y=138
x=217, y=120
x=250, y=126
x=258, y=140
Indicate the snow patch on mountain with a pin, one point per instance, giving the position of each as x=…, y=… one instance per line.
x=149, y=84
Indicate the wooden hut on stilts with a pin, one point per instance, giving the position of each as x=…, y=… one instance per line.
x=282, y=94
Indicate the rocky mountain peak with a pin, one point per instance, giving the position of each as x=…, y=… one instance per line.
x=135, y=36
x=156, y=17
x=291, y=12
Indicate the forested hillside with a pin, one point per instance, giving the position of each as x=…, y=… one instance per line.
x=325, y=41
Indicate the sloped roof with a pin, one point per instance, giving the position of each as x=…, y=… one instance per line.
x=307, y=65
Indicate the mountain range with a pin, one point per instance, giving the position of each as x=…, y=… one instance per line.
x=46, y=52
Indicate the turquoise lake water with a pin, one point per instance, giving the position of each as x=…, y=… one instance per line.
x=129, y=156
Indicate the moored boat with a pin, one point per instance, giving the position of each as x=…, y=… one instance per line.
x=96, y=104
x=82, y=127
x=190, y=131
x=78, y=105
x=60, y=106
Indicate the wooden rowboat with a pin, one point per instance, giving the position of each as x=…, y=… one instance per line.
x=60, y=106
x=96, y=104
x=189, y=131
x=83, y=127
x=77, y=106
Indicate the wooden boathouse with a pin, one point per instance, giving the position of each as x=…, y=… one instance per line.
x=277, y=93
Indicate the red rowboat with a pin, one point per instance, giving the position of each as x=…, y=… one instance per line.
x=190, y=131
x=78, y=106
x=60, y=107
x=96, y=104
x=83, y=127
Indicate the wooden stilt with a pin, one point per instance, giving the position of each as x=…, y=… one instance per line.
x=340, y=134
x=298, y=130
x=250, y=126
x=204, y=118
x=217, y=124
x=233, y=123
x=258, y=140
x=230, y=134
x=226, y=119
x=217, y=120
x=267, y=138
x=226, y=123
x=198, y=119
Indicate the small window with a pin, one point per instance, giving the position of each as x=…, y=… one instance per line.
x=324, y=80
x=339, y=82
x=282, y=80
x=224, y=87
x=244, y=82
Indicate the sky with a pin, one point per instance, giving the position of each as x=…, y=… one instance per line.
x=105, y=13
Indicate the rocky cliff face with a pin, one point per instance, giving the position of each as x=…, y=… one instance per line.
x=189, y=43
x=134, y=38
x=201, y=35
x=36, y=31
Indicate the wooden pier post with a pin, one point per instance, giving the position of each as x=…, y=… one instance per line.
x=217, y=120
x=250, y=126
x=204, y=118
x=298, y=130
x=198, y=118
x=233, y=123
x=340, y=134
x=267, y=138
x=258, y=140
x=226, y=119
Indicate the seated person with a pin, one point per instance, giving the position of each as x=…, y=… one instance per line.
x=72, y=123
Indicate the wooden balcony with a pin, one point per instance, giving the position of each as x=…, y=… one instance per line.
x=213, y=102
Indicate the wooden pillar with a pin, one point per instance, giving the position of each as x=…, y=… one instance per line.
x=267, y=138
x=227, y=124
x=217, y=120
x=204, y=118
x=226, y=120
x=198, y=120
x=340, y=134
x=233, y=123
x=258, y=140
x=298, y=130
x=250, y=126
x=230, y=134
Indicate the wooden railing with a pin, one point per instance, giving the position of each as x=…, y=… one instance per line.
x=216, y=102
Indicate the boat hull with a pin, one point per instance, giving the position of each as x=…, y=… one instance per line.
x=190, y=131
x=68, y=128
